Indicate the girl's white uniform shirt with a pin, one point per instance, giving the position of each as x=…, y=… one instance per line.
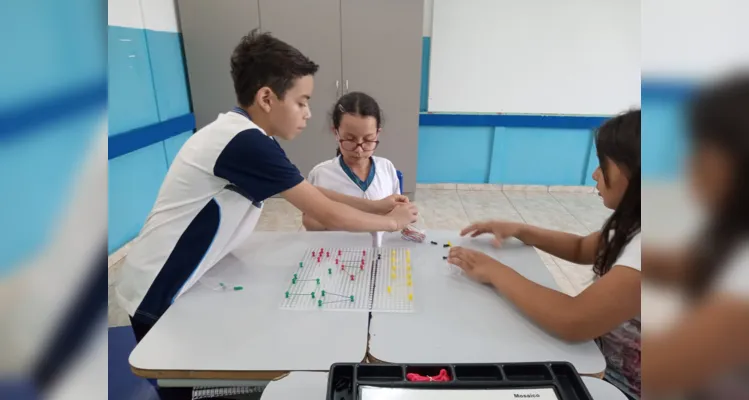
x=336, y=175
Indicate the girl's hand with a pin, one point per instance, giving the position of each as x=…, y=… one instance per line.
x=403, y=214
x=500, y=229
x=387, y=204
x=476, y=264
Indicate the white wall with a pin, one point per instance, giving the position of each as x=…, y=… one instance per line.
x=571, y=57
x=428, y=7
x=694, y=39
x=157, y=15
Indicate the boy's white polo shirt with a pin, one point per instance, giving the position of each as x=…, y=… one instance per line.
x=209, y=203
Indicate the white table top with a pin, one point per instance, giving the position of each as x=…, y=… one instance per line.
x=207, y=330
x=314, y=385
x=460, y=321
x=456, y=320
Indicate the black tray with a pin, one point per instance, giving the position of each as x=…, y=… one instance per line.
x=344, y=379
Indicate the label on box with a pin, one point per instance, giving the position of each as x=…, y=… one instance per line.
x=380, y=393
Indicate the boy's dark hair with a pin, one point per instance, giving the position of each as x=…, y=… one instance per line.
x=355, y=103
x=261, y=60
x=618, y=140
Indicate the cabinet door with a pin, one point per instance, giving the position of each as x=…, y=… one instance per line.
x=210, y=32
x=313, y=27
x=381, y=51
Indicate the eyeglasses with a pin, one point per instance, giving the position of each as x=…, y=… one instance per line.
x=351, y=145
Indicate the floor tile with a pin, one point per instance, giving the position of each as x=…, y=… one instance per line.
x=488, y=205
x=279, y=215
x=441, y=209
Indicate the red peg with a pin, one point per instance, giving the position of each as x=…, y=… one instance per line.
x=343, y=267
x=336, y=261
x=313, y=254
x=327, y=254
x=364, y=253
x=362, y=267
x=352, y=277
x=339, y=252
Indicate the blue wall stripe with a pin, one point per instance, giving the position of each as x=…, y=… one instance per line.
x=139, y=138
x=53, y=108
x=426, y=48
x=539, y=156
x=138, y=176
x=664, y=89
x=592, y=164
x=167, y=68
x=512, y=120
x=454, y=155
x=132, y=101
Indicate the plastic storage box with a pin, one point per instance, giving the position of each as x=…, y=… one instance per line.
x=345, y=380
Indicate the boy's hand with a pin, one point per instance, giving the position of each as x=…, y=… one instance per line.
x=476, y=264
x=500, y=229
x=403, y=214
x=387, y=204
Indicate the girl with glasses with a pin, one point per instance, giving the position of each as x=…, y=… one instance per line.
x=356, y=122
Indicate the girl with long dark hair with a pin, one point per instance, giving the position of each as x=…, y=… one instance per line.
x=609, y=309
x=707, y=350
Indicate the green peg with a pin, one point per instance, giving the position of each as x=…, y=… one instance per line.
x=318, y=281
x=330, y=271
x=352, y=298
x=238, y=288
x=313, y=295
x=295, y=276
x=301, y=265
x=287, y=295
x=293, y=281
x=319, y=303
x=323, y=293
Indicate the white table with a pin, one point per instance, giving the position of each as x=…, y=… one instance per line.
x=314, y=385
x=460, y=321
x=241, y=335
x=229, y=338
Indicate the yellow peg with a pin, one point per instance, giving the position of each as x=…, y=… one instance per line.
x=390, y=290
x=410, y=297
x=392, y=275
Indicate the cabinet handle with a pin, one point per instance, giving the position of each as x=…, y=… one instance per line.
x=337, y=89
x=346, y=86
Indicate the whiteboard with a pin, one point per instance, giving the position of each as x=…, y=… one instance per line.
x=571, y=57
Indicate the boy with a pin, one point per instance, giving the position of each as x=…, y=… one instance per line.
x=212, y=195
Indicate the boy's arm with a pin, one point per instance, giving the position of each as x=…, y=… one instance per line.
x=339, y=216
x=371, y=206
x=311, y=224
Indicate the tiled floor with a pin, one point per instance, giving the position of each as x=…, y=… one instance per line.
x=455, y=207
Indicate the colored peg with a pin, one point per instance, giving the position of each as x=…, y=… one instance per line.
x=313, y=254
x=393, y=275
x=319, y=303
x=390, y=290
x=313, y=295
x=352, y=277
x=323, y=293
x=327, y=254
x=287, y=295
x=352, y=298
x=330, y=271
x=410, y=297
x=318, y=279
x=301, y=264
